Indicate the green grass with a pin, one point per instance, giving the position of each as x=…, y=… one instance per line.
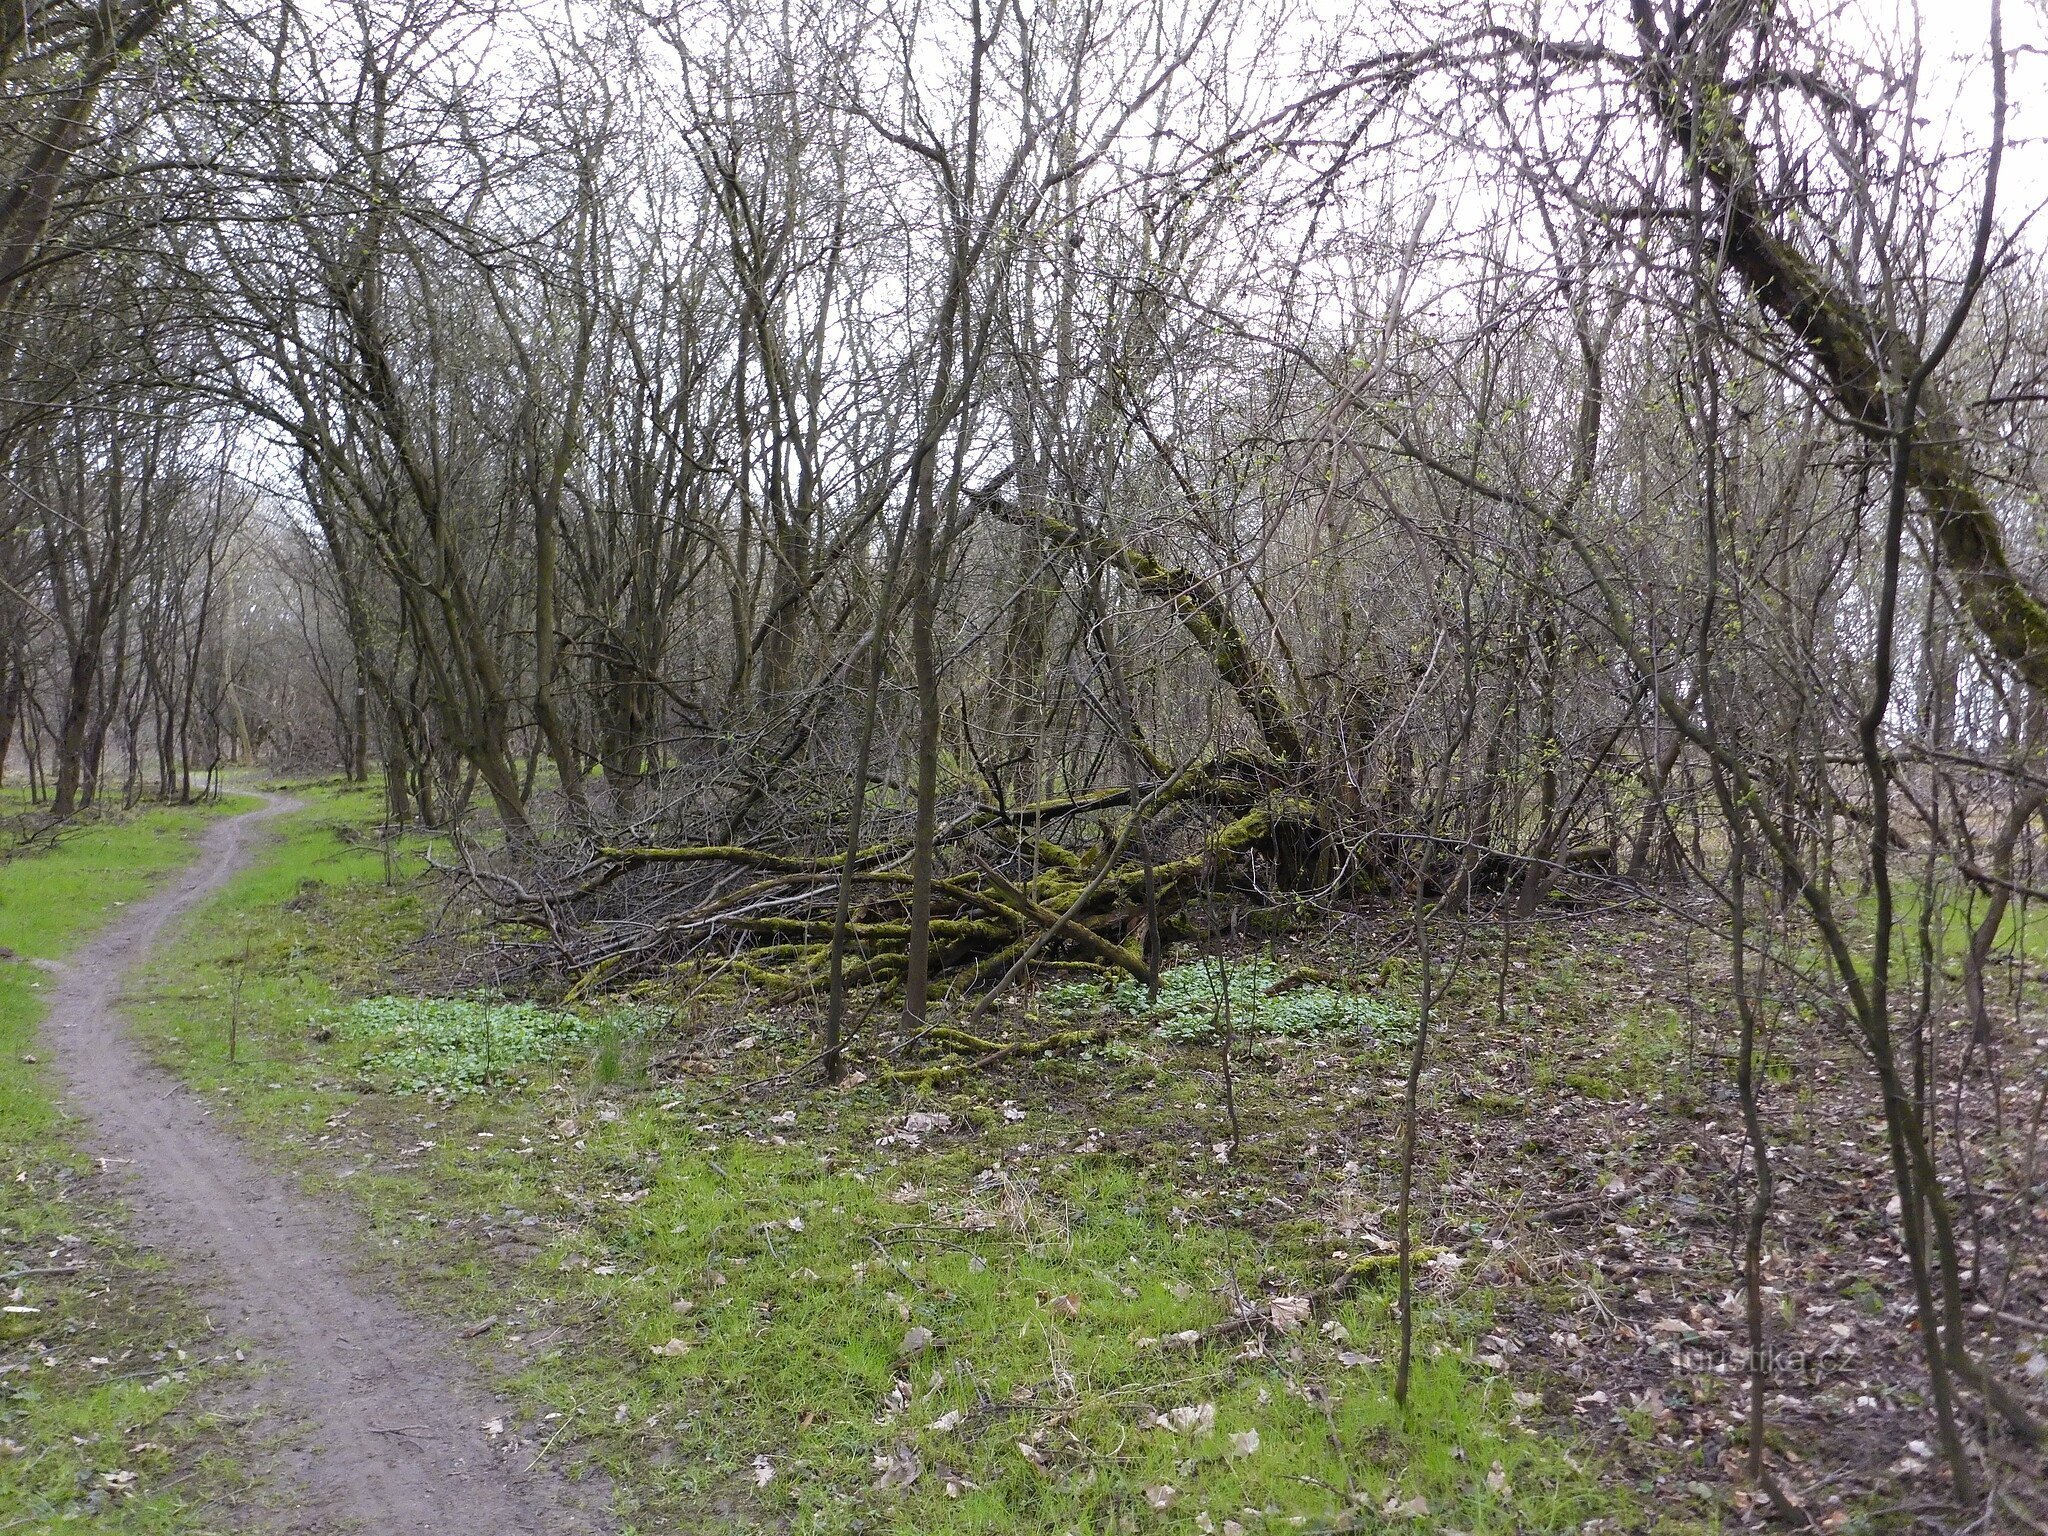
x=100, y=1365
x=1053, y=1301
x=716, y=1296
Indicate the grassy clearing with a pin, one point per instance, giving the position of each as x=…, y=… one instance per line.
x=871, y=1310
x=98, y=1363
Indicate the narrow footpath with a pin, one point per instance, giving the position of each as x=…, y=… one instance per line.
x=384, y=1426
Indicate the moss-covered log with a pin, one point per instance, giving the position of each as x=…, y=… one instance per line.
x=982, y=1054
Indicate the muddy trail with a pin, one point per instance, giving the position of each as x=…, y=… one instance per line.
x=382, y=1427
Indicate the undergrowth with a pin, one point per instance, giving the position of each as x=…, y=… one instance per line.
x=855, y=1311
x=462, y=1045
x=1193, y=995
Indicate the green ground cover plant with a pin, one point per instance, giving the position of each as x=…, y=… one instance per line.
x=424, y=1044
x=1263, y=998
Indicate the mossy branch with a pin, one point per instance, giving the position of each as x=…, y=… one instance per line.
x=1203, y=612
x=993, y=1052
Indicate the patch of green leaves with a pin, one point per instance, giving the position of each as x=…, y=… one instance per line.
x=1192, y=997
x=461, y=1045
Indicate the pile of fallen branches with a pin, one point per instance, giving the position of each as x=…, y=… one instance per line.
x=1098, y=880
x=1079, y=881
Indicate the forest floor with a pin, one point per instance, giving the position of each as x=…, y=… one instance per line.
x=746, y=1301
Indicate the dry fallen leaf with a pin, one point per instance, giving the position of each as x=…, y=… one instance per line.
x=1161, y=1496
x=673, y=1349
x=1497, y=1480
x=1244, y=1442
x=764, y=1472
x=899, y=1469
x=1190, y=1419
x=1289, y=1312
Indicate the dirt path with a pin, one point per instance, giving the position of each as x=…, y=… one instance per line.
x=387, y=1425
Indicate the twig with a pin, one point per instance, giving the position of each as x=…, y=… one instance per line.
x=54, y=1269
x=561, y=1430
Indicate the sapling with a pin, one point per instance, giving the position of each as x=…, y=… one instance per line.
x=235, y=1001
